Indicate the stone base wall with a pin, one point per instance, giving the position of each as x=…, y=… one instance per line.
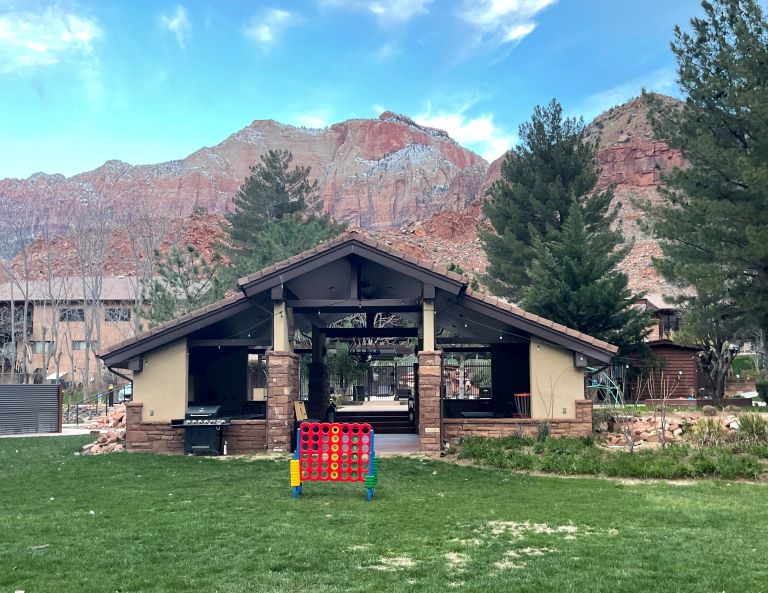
x=282, y=391
x=430, y=440
x=157, y=436
x=246, y=436
x=154, y=436
x=455, y=428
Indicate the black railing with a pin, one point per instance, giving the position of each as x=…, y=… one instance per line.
x=92, y=404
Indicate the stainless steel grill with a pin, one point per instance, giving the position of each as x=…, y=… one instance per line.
x=203, y=430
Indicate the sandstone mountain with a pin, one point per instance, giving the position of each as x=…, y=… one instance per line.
x=371, y=173
x=629, y=158
x=407, y=184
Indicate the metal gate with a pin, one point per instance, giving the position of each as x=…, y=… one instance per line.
x=30, y=409
x=379, y=380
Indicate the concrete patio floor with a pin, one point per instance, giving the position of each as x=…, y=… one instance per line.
x=396, y=444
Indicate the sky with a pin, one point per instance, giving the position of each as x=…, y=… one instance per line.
x=146, y=81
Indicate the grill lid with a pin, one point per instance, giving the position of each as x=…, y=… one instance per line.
x=203, y=411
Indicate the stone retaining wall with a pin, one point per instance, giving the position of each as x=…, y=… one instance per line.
x=455, y=428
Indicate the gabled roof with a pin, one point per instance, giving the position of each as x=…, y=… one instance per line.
x=543, y=324
x=348, y=244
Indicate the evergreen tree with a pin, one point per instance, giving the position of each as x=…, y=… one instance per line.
x=276, y=215
x=712, y=225
x=552, y=168
x=186, y=281
x=574, y=280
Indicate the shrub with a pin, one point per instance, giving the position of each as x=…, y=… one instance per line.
x=708, y=432
x=731, y=408
x=753, y=428
x=543, y=431
x=762, y=390
x=709, y=410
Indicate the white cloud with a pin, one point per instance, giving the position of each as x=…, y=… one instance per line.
x=663, y=81
x=498, y=22
x=309, y=120
x=178, y=23
x=30, y=41
x=387, y=51
x=479, y=133
x=267, y=27
x=397, y=11
x=386, y=11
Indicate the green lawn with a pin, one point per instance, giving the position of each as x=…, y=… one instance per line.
x=151, y=523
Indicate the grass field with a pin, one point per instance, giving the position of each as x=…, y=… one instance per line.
x=132, y=523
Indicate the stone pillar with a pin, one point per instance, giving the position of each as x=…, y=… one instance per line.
x=430, y=378
x=282, y=391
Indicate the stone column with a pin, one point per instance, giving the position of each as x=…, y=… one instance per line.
x=430, y=438
x=282, y=391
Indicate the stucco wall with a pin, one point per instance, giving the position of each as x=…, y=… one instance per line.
x=162, y=385
x=556, y=384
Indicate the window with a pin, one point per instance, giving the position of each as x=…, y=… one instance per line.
x=41, y=347
x=80, y=344
x=114, y=314
x=72, y=314
x=670, y=322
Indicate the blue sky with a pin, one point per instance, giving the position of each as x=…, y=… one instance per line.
x=146, y=80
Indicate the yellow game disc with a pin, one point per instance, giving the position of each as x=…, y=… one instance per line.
x=334, y=475
x=335, y=438
x=335, y=429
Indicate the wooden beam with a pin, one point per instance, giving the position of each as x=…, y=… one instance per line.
x=355, y=305
x=374, y=332
x=354, y=278
x=226, y=343
x=466, y=349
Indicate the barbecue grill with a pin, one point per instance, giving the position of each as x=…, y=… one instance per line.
x=203, y=430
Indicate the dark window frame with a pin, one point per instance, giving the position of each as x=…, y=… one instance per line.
x=117, y=314
x=72, y=314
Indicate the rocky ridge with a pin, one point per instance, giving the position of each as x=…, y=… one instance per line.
x=406, y=184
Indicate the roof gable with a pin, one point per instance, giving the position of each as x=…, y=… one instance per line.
x=352, y=243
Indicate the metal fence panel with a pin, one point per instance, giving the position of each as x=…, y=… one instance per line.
x=30, y=409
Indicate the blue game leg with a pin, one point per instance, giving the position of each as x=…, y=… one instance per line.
x=296, y=492
x=370, y=493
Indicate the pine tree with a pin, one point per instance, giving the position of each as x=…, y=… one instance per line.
x=712, y=226
x=575, y=280
x=552, y=168
x=276, y=215
x=186, y=281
